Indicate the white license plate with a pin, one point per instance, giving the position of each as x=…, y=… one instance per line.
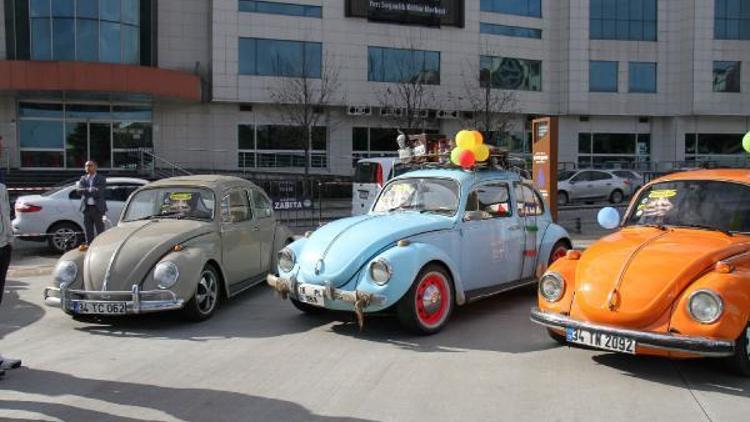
x=100, y=308
x=600, y=341
x=363, y=194
x=313, y=295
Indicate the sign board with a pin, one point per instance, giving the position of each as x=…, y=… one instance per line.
x=288, y=195
x=544, y=157
x=409, y=12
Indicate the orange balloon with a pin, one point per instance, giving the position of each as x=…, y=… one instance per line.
x=478, y=138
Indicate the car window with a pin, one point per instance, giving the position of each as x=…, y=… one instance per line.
x=600, y=175
x=235, y=207
x=528, y=201
x=565, y=175
x=491, y=200
x=262, y=205
x=118, y=193
x=624, y=174
x=582, y=177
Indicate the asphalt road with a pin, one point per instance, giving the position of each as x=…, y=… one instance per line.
x=260, y=359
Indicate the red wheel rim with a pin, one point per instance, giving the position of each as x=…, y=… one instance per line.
x=431, y=299
x=557, y=254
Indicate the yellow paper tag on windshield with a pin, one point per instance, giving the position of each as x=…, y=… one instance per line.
x=181, y=196
x=662, y=193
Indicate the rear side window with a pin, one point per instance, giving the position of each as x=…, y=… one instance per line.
x=598, y=175
x=623, y=174
x=236, y=207
x=528, y=201
x=368, y=172
x=263, y=208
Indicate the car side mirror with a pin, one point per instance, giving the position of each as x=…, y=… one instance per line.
x=474, y=216
x=608, y=218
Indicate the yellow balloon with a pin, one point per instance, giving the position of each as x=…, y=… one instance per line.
x=456, y=156
x=478, y=138
x=465, y=139
x=482, y=152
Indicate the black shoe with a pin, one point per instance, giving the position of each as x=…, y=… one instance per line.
x=2, y=372
x=10, y=364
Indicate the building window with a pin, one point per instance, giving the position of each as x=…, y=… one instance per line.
x=54, y=135
x=531, y=8
x=509, y=31
x=85, y=30
x=274, y=8
x=273, y=146
x=727, y=76
x=732, y=19
x=263, y=57
x=634, y=20
x=720, y=148
x=642, y=78
x=613, y=150
x=403, y=65
x=603, y=76
x=510, y=73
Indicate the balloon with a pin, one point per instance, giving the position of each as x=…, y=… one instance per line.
x=746, y=142
x=482, y=152
x=456, y=156
x=466, y=159
x=608, y=218
x=478, y=138
x=465, y=139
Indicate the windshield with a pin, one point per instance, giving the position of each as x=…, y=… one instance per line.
x=702, y=204
x=367, y=172
x=419, y=194
x=177, y=202
x=565, y=175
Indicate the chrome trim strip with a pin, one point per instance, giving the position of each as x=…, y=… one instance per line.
x=341, y=233
x=702, y=346
x=116, y=253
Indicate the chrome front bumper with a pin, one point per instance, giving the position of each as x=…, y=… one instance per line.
x=285, y=286
x=702, y=346
x=136, y=301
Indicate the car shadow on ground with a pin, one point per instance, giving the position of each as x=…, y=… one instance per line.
x=709, y=375
x=14, y=312
x=189, y=404
x=500, y=324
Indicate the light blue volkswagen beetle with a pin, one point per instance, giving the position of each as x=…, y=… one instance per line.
x=434, y=239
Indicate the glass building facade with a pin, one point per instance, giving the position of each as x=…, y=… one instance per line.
x=510, y=73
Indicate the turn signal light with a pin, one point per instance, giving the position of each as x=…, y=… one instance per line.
x=573, y=255
x=723, y=267
x=178, y=248
x=83, y=248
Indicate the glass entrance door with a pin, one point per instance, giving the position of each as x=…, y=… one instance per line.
x=100, y=144
x=88, y=141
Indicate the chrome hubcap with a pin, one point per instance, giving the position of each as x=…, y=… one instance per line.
x=207, y=292
x=63, y=238
x=431, y=299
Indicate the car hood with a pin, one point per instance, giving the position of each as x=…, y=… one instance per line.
x=336, y=251
x=130, y=250
x=647, y=269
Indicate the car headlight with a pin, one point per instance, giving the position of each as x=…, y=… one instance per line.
x=552, y=287
x=380, y=271
x=166, y=274
x=65, y=272
x=286, y=260
x=705, y=306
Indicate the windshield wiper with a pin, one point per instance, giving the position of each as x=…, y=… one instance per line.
x=437, y=210
x=706, y=227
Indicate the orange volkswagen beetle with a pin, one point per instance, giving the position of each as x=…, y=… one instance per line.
x=673, y=281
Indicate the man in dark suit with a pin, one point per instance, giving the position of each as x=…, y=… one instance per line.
x=93, y=204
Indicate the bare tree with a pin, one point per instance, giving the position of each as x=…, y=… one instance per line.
x=302, y=98
x=492, y=110
x=409, y=95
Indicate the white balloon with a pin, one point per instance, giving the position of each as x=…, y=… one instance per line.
x=608, y=218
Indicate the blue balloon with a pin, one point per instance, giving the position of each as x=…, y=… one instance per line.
x=608, y=218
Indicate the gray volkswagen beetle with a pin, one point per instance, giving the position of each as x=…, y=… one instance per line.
x=181, y=243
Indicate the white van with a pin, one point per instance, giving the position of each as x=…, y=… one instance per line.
x=369, y=177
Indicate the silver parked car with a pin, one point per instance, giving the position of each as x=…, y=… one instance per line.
x=591, y=185
x=182, y=243
x=636, y=179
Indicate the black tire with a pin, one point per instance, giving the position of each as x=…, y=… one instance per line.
x=562, y=198
x=559, y=338
x=307, y=308
x=205, y=300
x=616, y=196
x=559, y=250
x=434, y=281
x=740, y=362
x=64, y=236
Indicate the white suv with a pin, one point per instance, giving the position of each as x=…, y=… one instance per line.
x=55, y=215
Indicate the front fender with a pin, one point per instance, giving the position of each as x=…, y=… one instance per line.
x=406, y=263
x=566, y=267
x=734, y=290
x=190, y=262
x=553, y=234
